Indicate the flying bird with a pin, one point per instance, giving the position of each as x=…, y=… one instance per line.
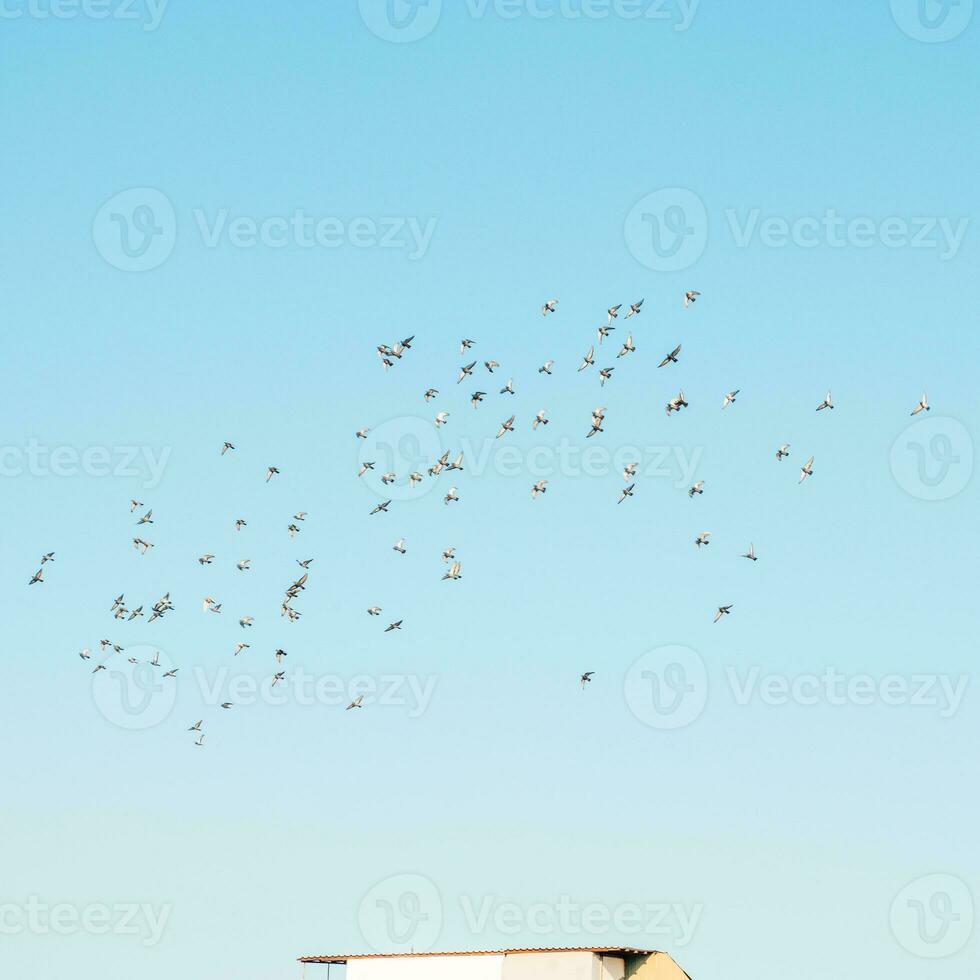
x=604, y=375
x=539, y=419
x=546, y=367
x=923, y=406
x=399, y=546
x=722, y=611
x=358, y=702
x=508, y=389
x=676, y=403
x=430, y=393
x=270, y=473
x=634, y=309
x=507, y=426
x=826, y=403
x=465, y=370
x=549, y=307
x=671, y=358
x=627, y=492
x=613, y=312
x=588, y=359
x=782, y=451
x=397, y=625
x=729, y=398
x=226, y=447
x=750, y=554
x=806, y=470
x=383, y=506
x=442, y=418
x=702, y=538
x=697, y=488
x=452, y=495
x=586, y=678
x=691, y=297
x=454, y=572
x=627, y=347
x=539, y=487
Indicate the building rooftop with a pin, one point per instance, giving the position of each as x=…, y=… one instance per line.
x=606, y=950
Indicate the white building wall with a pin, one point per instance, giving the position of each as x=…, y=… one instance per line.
x=551, y=966
x=429, y=968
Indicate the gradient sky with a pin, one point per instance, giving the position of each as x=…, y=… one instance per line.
x=791, y=829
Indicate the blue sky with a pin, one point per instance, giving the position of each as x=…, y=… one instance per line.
x=825, y=162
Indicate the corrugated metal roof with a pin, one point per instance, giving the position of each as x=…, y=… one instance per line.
x=611, y=950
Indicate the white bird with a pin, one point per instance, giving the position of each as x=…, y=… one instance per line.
x=539, y=487
x=634, y=309
x=702, y=538
x=508, y=389
x=539, y=419
x=782, y=451
x=199, y=741
x=722, y=611
x=923, y=405
x=456, y=464
x=246, y=621
x=465, y=370
x=276, y=678
x=507, y=426
x=729, y=398
x=697, y=488
x=750, y=554
x=629, y=471
x=374, y=610
x=387, y=478
x=399, y=546
x=627, y=347
x=442, y=418
x=452, y=495
x=85, y=655
x=205, y=559
x=362, y=433
x=208, y=602
x=414, y=478
x=448, y=554
x=546, y=367
x=243, y=565
x=627, y=492
x=691, y=296
x=588, y=359
x=671, y=358
x=490, y=365
x=826, y=403
x=806, y=470
x=453, y=572
x=676, y=403
x=358, y=702
x=549, y=307
x=239, y=647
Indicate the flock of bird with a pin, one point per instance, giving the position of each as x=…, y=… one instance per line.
x=389, y=356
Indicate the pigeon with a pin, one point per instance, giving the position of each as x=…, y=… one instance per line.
x=782, y=451
x=442, y=418
x=539, y=419
x=430, y=393
x=239, y=524
x=374, y=610
x=549, y=307
x=691, y=296
x=196, y=727
x=490, y=365
x=729, y=398
x=603, y=332
x=365, y=466
x=588, y=359
x=239, y=647
x=671, y=358
x=448, y=554
x=276, y=678
x=358, y=702
x=604, y=375
x=546, y=367
x=697, y=488
x=226, y=447
x=399, y=546
x=362, y=433
x=452, y=495
x=199, y=742
x=627, y=492
x=280, y=655
x=133, y=504
x=508, y=389
x=586, y=678
x=676, y=403
x=629, y=471
x=141, y=545
x=507, y=426
x=205, y=559
x=634, y=309
x=750, y=554
x=226, y=705
x=387, y=478
x=246, y=621
x=382, y=507
x=397, y=625
x=243, y=565
x=923, y=406
x=464, y=345
x=85, y=655
x=613, y=312
x=147, y=518
x=702, y=538
x=806, y=470
x=627, y=347
x=453, y=572
x=305, y=563
x=456, y=464
x=414, y=478
x=465, y=370
x=476, y=398
x=598, y=415
x=293, y=530
x=539, y=487
x=826, y=403
x=722, y=611
x=270, y=473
